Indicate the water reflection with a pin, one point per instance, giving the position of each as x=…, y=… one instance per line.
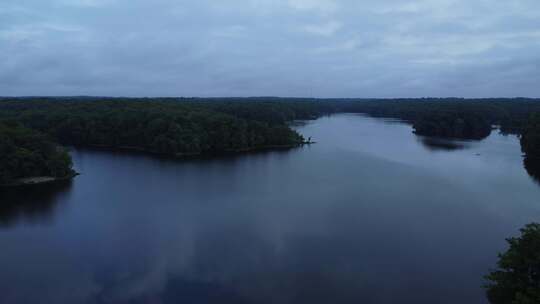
x=176, y=290
x=36, y=203
x=441, y=144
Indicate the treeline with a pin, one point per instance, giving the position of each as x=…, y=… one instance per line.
x=27, y=153
x=442, y=117
x=164, y=127
x=510, y=114
x=457, y=117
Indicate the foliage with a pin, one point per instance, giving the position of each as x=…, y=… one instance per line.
x=26, y=153
x=171, y=128
x=517, y=279
x=530, y=141
x=453, y=125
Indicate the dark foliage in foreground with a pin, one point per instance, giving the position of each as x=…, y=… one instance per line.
x=517, y=279
x=27, y=153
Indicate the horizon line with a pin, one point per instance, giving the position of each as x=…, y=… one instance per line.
x=255, y=97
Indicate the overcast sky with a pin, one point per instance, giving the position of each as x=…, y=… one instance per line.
x=321, y=48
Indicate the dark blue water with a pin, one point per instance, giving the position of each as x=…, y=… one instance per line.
x=370, y=214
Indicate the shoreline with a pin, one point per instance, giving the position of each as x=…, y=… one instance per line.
x=196, y=154
x=38, y=180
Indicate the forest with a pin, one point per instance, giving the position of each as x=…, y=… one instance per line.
x=450, y=125
x=196, y=126
x=27, y=153
x=158, y=127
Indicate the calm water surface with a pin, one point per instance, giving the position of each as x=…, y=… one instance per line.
x=370, y=214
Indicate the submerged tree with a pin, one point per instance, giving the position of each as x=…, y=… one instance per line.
x=517, y=278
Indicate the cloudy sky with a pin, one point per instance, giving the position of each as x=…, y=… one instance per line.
x=321, y=48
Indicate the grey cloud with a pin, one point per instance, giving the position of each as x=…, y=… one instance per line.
x=326, y=48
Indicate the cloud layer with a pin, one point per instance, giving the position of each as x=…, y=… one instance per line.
x=322, y=48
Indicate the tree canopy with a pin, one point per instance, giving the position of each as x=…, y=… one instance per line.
x=517, y=278
x=170, y=128
x=453, y=125
x=27, y=153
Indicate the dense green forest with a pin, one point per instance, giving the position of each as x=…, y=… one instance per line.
x=194, y=126
x=517, y=277
x=152, y=126
x=28, y=153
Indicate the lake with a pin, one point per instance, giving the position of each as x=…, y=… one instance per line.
x=370, y=214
